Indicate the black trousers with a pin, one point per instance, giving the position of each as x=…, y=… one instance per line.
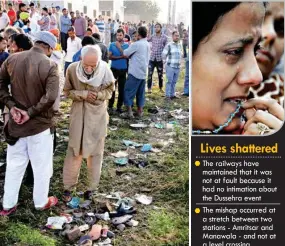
x=159, y=67
x=184, y=50
x=63, y=40
x=120, y=76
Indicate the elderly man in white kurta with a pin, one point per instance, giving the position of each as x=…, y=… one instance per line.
x=89, y=83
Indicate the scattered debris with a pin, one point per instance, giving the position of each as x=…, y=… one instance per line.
x=131, y=143
x=138, y=126
x=113, y=128
x=56, y=223
x=146, y=148
x=74, y=202
x=120, y=154
x=159, y=126
x=121, y=161
x=154, y=150
x=143, y=199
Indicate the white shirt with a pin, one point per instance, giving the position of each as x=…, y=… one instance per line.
x=72, y=47
x=34, y=23
x=116, y=26
x=4, y=20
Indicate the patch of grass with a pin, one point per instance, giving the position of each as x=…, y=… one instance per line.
x=27, y=236
x=168, y=228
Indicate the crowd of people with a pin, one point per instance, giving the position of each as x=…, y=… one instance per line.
x=41, y=47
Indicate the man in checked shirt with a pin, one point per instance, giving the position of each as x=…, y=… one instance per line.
x=158, y=41
x=172, y=55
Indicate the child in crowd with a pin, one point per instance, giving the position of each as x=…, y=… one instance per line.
x=3, y=46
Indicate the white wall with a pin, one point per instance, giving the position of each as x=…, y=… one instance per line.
x=118, y=4
x=79, y=5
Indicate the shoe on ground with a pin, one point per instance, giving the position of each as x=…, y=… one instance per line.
x=127, y=115
x=52, y=201
x=149, y=91
x=8, y=211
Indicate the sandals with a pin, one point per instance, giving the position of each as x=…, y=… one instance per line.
x=52, y=201
x=66, y=197
x=8, y=212
x=95, y=232
x=85, y=240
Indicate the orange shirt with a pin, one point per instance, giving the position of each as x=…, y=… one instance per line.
x=12, y=16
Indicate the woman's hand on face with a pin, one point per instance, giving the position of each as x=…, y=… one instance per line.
x=265, y=111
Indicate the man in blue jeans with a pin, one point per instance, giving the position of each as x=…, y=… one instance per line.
x=172, y=55
x=186, y=81
x=119, y=67
x=139, y=55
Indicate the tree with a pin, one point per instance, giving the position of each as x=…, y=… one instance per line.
x=147, y=10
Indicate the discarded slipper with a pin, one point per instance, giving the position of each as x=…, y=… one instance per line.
x=90, y=220
x=105, y=231
x=104, y=216
x=132, y=223
x=78, y=215
x=66, y=197
x=146, y=148
x=153, y=110
x=85, y=204
x=138, y=126
x=85, y=240
x=74, y=202
x=120, y=154
x=131, y=143
x=73, y=234
x=121, y=161
x=106, y=242
x=143, y=199
x=84, y=227
x=121, y=227
x=110, y=234
x=159, y=126
x=95, y=232
x=142, y=164
x=121, y=220
x=67, y=228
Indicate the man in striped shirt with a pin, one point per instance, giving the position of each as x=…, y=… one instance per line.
x=101, y=26
x=172, y=55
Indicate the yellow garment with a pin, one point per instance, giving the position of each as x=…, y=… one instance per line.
x=24, y=15
x=58, y=47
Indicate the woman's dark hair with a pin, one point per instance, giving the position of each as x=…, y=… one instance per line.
x=89, y=30
x=142, y=31
x=205, y=17
x=88, y=41
x=23, y=41
x=121, y=30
